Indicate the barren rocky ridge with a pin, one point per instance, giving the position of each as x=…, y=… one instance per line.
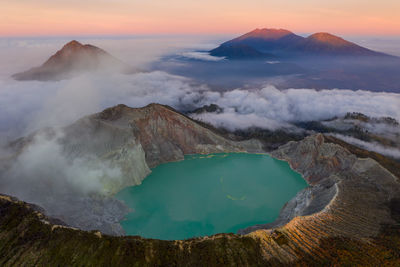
x=350, y=203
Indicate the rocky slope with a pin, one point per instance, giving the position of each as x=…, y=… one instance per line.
x=72, y=60
x=99, y=155
x=379, y=134
x=358, y=223
x=163, y=133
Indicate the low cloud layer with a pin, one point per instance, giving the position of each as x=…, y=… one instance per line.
x=28, y=106
x=205, y=56
x=270, y=108
x=371, y=146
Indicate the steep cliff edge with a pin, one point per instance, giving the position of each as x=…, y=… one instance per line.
x=357, y=196
x=167, y=135
x=156, y=133
x=358, y=225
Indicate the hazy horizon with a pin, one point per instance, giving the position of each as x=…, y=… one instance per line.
x=45, y=17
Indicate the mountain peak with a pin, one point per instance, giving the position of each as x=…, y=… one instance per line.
x=283, y=43
x=73, y=59
x=258, y=43
x=73, y=44
x=120, y=110
x=267, y=33
x=114, y=113
x=328, y=38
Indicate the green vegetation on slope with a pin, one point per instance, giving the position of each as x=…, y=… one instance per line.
x=25, y=239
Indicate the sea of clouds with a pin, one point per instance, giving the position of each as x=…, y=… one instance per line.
x=29, y=106
x=43, y=175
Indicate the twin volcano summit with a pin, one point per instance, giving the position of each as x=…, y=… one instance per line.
x=71, y=60
x=75, y=58
x=283, y=43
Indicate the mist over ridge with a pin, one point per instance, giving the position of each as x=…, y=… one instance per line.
x=42, y=104
x=31, y=108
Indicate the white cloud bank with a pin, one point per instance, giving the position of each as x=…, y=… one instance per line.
x=205, y=56
x=270, y=107
x=27, y=106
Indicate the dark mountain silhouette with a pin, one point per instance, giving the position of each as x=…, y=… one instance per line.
x=326, y=43
x=266, y=39
x=73, y=59
x=284, y=43
x=240, y=51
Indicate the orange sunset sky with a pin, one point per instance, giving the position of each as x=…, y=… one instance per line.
x=97, y=17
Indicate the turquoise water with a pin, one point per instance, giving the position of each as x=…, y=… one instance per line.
x=205, y=195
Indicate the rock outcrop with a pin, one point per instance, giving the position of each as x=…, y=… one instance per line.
x=356, y=224
x=164, y=134
x=355, y=199
x=379, y=133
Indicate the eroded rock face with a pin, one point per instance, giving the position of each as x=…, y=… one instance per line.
x=347, y=216
x=167, y=135
x=354, y=192
x=314, y=158
x=105, y=142
x=164, y=135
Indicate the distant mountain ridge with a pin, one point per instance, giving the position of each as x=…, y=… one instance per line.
x=73, y=59
x=280, y=42
x=240, y=51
